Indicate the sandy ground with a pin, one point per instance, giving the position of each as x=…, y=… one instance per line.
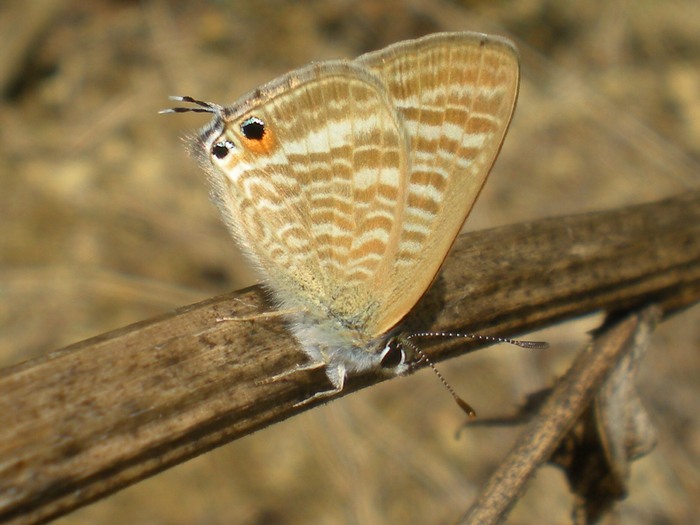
x=105, y=221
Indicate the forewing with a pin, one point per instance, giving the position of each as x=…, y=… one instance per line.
x=315, y=201
x=455, y=94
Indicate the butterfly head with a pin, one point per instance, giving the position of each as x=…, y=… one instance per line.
x=398, y=356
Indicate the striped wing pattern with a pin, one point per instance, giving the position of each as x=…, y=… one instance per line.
x=317, y=205
x=350, y=201
x=456, y=94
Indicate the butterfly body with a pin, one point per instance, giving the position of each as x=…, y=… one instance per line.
x=346, y=183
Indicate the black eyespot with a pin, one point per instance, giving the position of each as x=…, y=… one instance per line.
x=393, y=354
x=221, y=149
x=253, y=128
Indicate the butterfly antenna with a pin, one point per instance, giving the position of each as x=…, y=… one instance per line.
x=536, y=345
x=204, y=107
x=466, y=407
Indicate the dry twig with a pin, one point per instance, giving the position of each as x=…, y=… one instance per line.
x=611, y=350
x=95, y=417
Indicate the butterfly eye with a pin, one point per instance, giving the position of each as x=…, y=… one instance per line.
x=393, y=354
x=221, y=149
x=253, y=128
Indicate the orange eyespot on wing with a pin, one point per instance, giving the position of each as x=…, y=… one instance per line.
x=257, y=136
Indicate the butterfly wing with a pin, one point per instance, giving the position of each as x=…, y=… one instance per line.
x=311, y=181
x=455, y=94
x=347, y=182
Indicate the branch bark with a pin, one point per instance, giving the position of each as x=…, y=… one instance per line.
x=85, y=421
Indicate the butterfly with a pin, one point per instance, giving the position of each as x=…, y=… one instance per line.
x=346, y=182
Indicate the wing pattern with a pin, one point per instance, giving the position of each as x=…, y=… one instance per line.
x=348, y=181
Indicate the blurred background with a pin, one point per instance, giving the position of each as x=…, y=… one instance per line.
x=105, y=221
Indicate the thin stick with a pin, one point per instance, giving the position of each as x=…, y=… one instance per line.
x=574, y=392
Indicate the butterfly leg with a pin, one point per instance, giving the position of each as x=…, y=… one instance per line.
x=336, y=375
x=311, y=365
x=258, y=317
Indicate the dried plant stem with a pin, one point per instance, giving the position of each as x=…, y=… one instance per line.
x=572, y=395
x=85, y=421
